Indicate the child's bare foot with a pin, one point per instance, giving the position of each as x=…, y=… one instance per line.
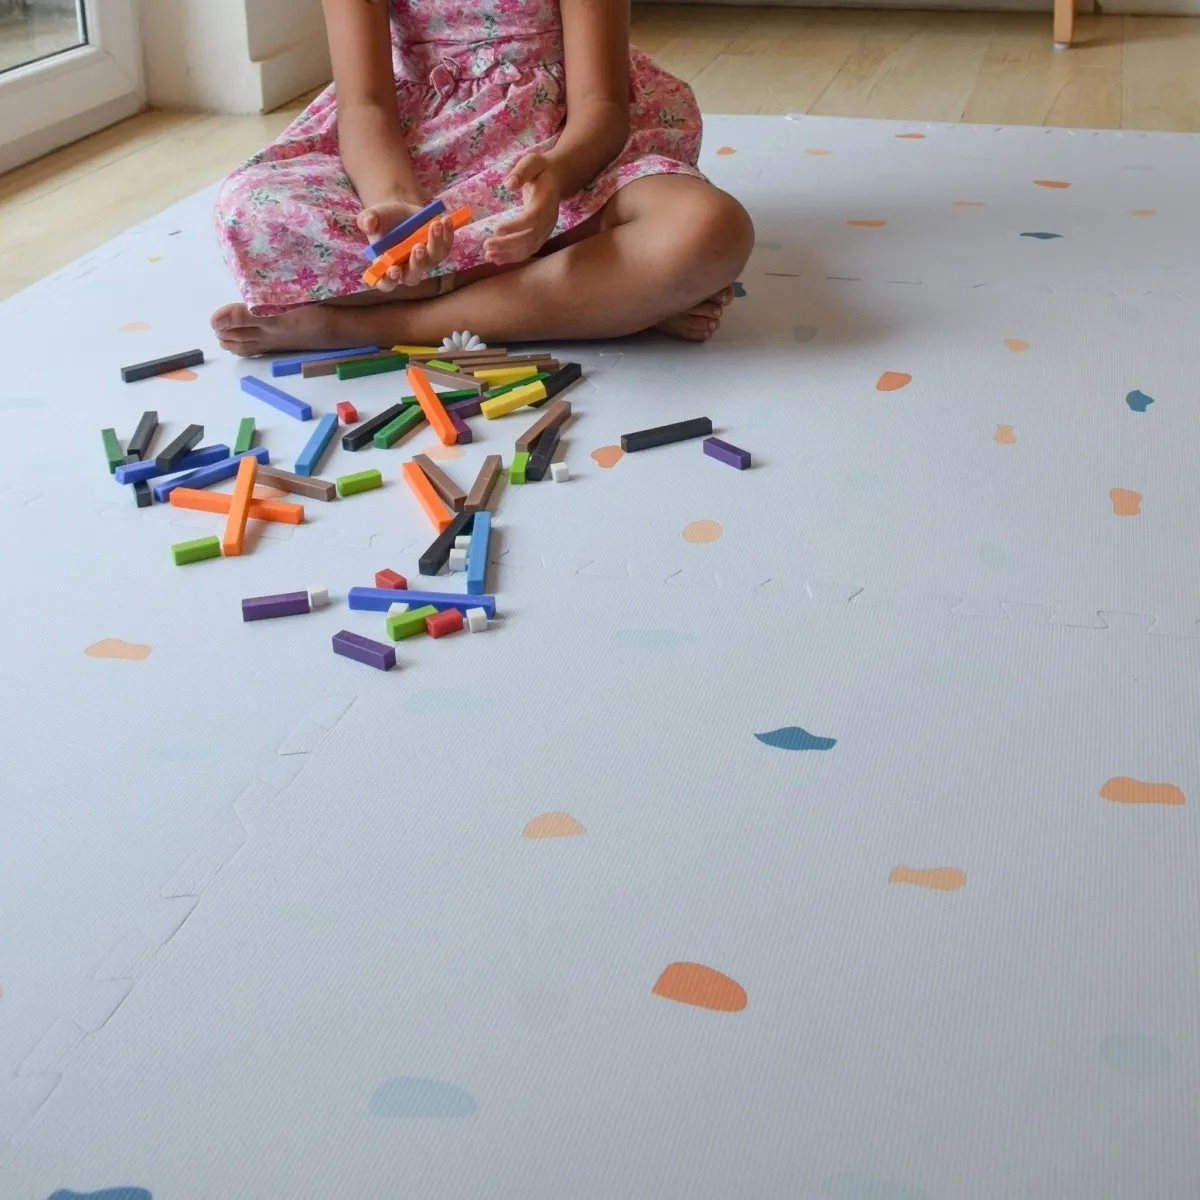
x=698, y=324
x=313, y=327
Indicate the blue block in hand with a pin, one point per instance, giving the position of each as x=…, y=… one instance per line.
x=405, y=229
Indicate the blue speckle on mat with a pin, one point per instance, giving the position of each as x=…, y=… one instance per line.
x=650, y=640
x=433, y=702
x=792, y=737
x=1045, y=237
x=991, y=555
x=739, y=290
x=117, y=1193
x=408, y=1097
x=803, y=333
x=1137, y=167
x=180, y=752
x=1135, y=1056
x=862, y=480
x=21, y=404
x=1139, y=401
x=861, y=1187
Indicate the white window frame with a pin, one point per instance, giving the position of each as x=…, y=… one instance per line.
x=59, y=99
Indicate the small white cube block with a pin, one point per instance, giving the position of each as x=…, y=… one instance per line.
x=477, y=621
x=318, y=597
x=458, y=560
x=462, y=542
x=560, y=472
x=397, y=607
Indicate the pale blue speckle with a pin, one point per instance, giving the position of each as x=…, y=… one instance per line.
x=991, y=555
x=421, y=1098
x=792, y=737
x=180, y=752
x=739, y=290
x=435, y=702
x=21, y=404
x=862, y=481
x=1135, y=1056
x=862, y=1187
x=803, y=333
x=1138, y=401
x=651, y=640
x=1045, y=237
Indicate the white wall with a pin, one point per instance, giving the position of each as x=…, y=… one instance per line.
x=238, y=56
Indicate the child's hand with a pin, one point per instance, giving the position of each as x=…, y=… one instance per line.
x=377, y=220
x=525, y=234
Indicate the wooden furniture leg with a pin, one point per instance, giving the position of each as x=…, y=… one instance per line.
x=1064, y=24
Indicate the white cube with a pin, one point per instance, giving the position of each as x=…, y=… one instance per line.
x=397, y=607
x=318, y=597
x=458, y=560
x=477, y=621
x=462, y=542
x=560, y=472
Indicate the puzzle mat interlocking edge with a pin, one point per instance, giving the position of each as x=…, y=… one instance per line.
x=241, y=869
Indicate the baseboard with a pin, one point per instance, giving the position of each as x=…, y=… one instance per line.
x=44, y=141
x=293, y=71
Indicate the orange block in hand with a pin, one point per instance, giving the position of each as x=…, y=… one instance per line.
x=431, y=406
x=239, y=507
x=397, y=256
x=429, y=500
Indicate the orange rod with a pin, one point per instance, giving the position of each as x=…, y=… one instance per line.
x=431, y=406
x=429, y=500
x=239, y=507
x=280, y=511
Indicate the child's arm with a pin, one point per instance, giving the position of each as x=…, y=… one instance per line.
x=596, y=63
x=596, y=58
x=369, y=136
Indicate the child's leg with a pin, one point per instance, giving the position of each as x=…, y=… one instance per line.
x=666, y=244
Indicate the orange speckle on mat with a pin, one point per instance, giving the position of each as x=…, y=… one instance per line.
x=937, y=879
x=443, y=452
x=725, y=151
x=184, y=376
x=968, y=204
x=553, y=825
x=700, y=986
x=1143, y=212
x=867, y=224
x=1052, y=183
x=115, y=648
x=1016, y=345
x=1126, y=503
x=135, y=327
x=817, y=151
x=608, y=456
x=699, y=532
x=1123, y=790
x=910, y=137
x=892, y=381
x=1004, y=436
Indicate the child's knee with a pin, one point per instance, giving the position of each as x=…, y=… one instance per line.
x=713, y=236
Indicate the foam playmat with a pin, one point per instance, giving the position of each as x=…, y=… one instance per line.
x=820, y=831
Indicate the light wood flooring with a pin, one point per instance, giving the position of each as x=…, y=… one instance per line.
x=1124, y=73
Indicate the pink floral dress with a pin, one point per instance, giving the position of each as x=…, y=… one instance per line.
x=479, y=83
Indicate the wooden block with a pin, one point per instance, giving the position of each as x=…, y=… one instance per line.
x=239, y=508
x=458, y=355
x=485, y=481
x=196, y=499
x=312, y=489
x=329, y=366
x=432, y=407
x=453, y=379
x=445, y=487
x=554, y=414
x=519, y=397
x=399, y=255
x=428, y=499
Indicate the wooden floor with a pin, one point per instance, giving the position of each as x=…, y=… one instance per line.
x=1124, y=73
